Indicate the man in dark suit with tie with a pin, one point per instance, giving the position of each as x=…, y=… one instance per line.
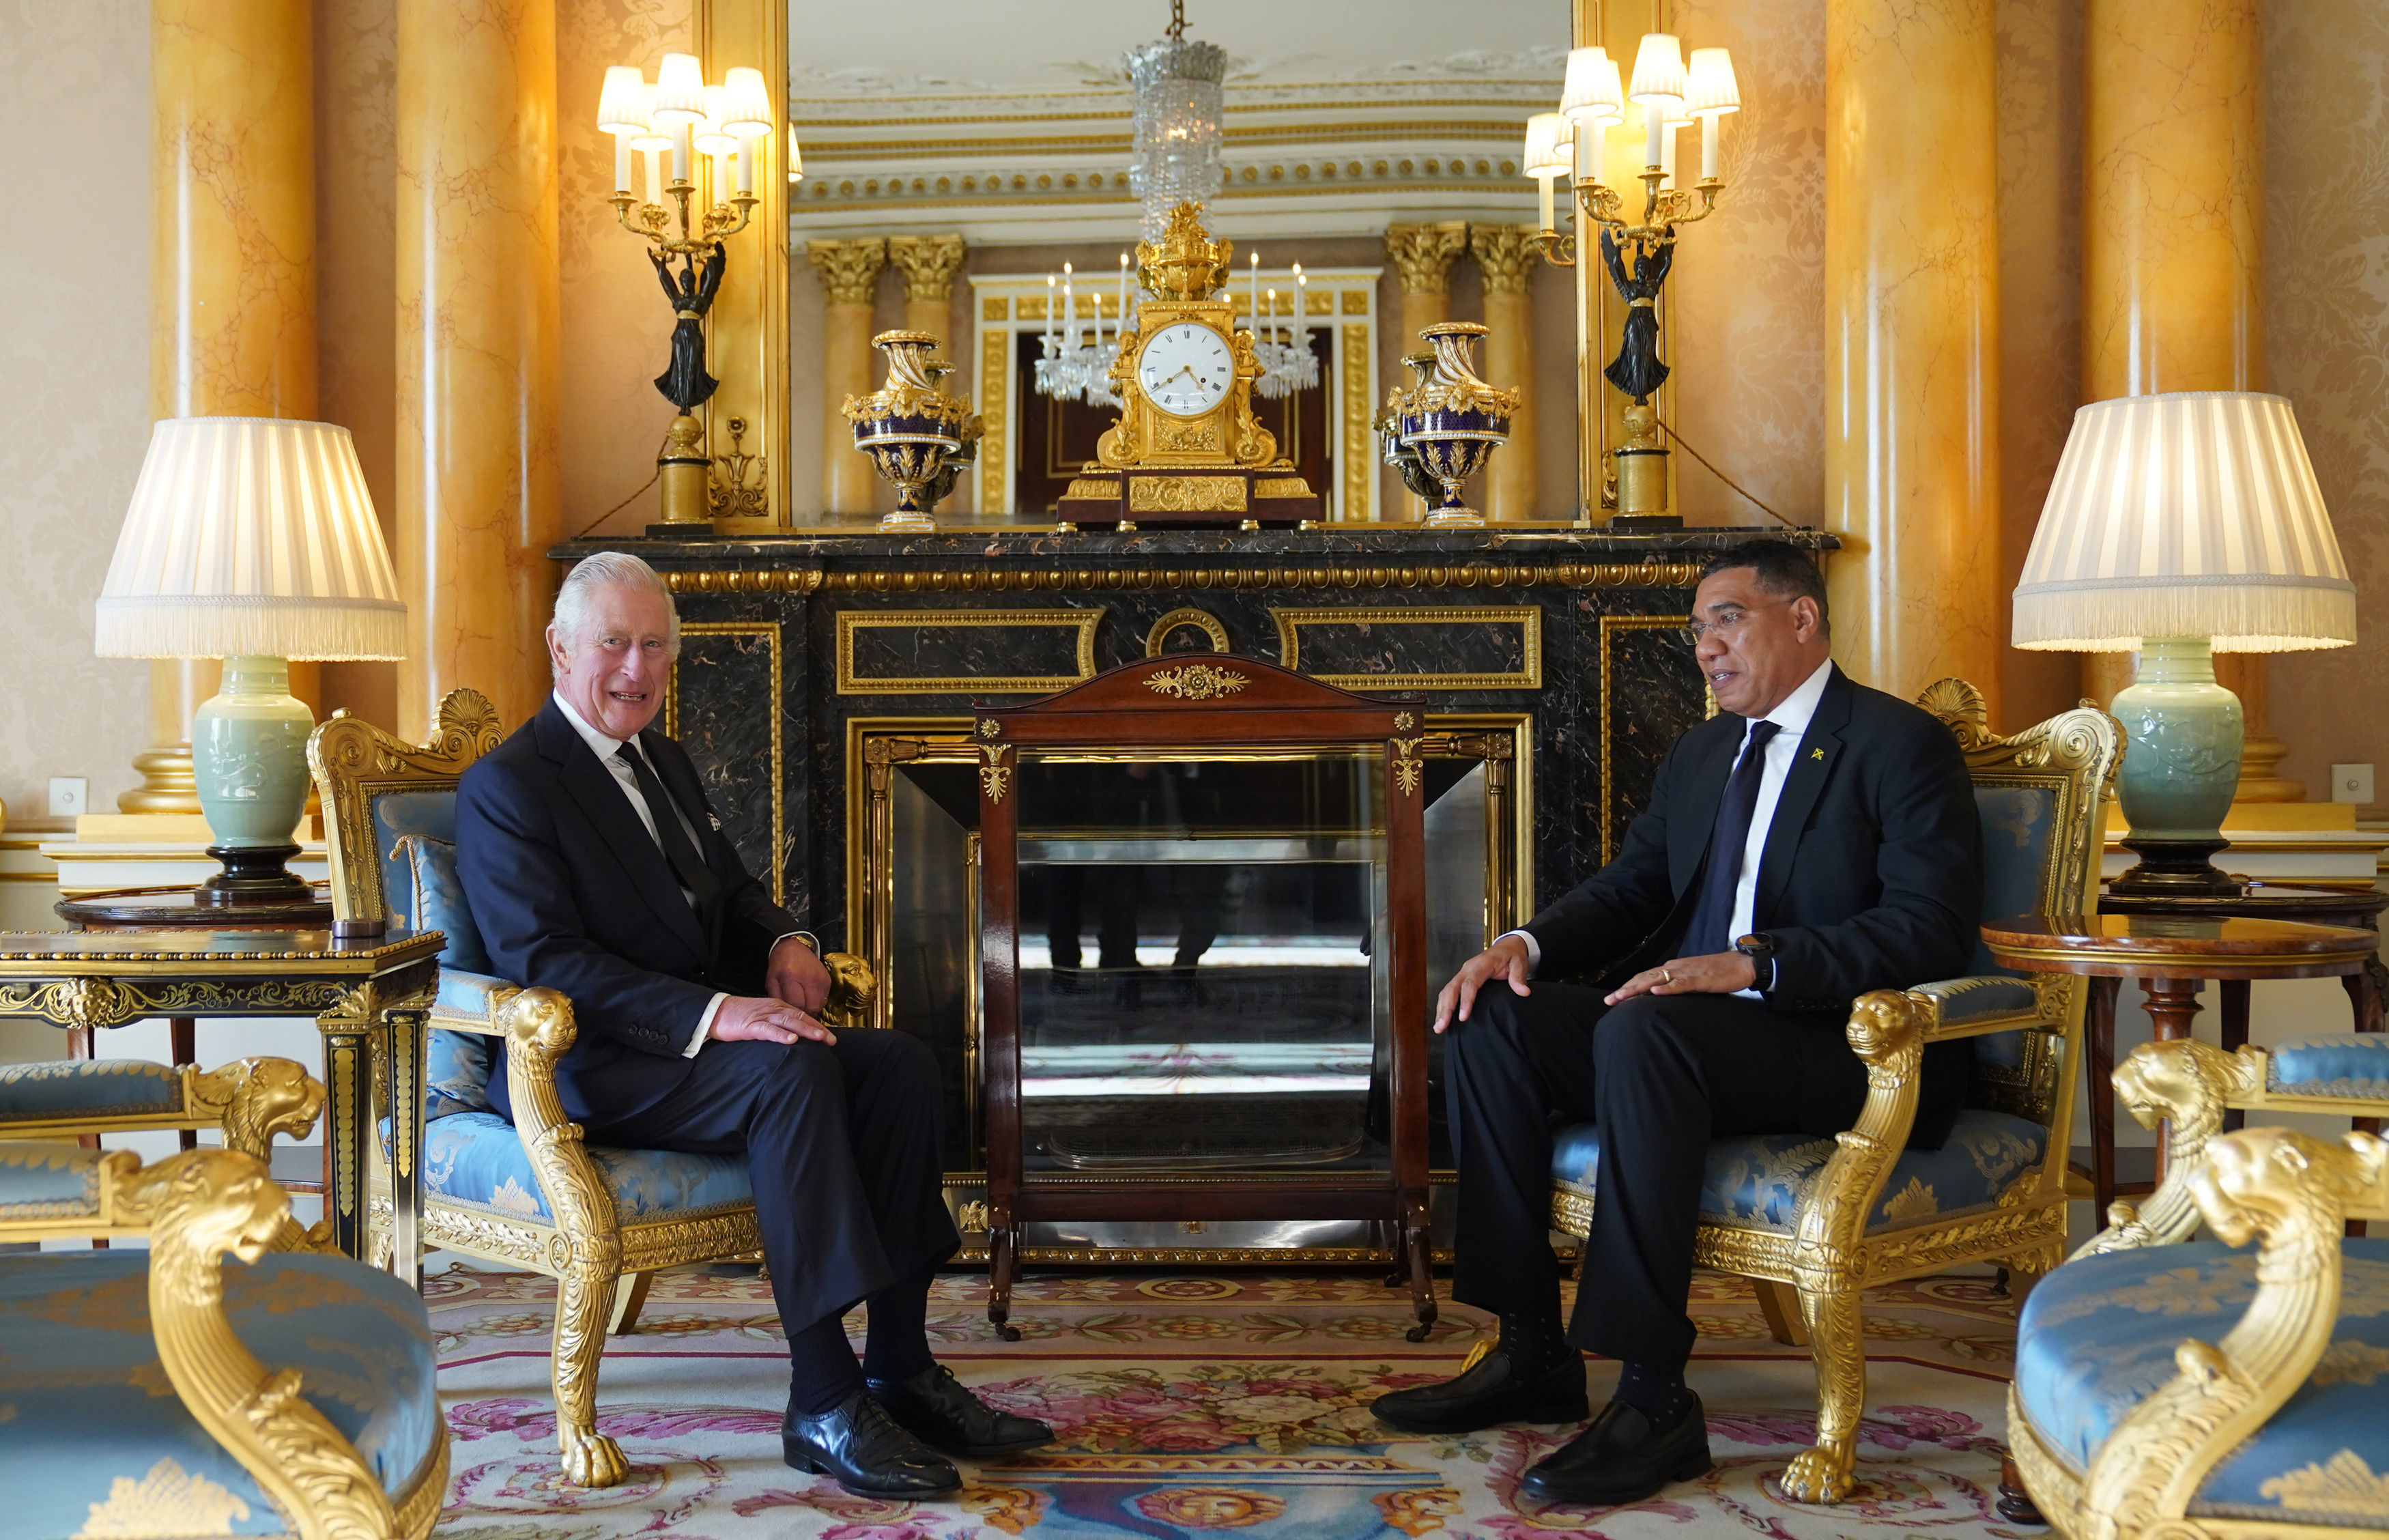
x=1813, y=841
x=594, y=866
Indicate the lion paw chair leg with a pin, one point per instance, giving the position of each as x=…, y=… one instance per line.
x=584, y=1301
x=1826, y=1473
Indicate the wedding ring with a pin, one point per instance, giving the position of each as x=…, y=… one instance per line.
x=1666, y=977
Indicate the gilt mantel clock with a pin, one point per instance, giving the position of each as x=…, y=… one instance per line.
x=1187, y=448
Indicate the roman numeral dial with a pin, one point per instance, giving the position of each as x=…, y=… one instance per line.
x=1187, y=369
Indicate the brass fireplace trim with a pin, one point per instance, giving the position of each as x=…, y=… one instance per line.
x=1201, y=619
x=1528, y=617
x=853, y=620
x=770, y=631
x=1564, y=575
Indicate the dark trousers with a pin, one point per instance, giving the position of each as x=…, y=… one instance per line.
x=843, y=1147
x=1660, y=1076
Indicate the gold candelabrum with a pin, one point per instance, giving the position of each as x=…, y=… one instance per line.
x=1448, y=424
x=1637, y=253
x=911, y=430
x=685, y=215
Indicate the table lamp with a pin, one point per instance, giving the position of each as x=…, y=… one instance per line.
x=253, y=540
x=2180, y=526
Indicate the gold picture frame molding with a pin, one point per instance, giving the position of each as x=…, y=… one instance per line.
x=1528, y=617
x=850, y=622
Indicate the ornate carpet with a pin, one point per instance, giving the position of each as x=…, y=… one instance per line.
x=1197, y=1406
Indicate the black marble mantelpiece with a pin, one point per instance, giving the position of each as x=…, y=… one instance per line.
x=785, y=640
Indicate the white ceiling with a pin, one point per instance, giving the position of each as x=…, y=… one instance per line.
x=1011, y=45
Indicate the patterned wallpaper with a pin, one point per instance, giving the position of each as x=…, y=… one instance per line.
x=2327, y=344
x=74, y=369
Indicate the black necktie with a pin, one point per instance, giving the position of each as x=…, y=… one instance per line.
x=686, y=864
x=1721, y=874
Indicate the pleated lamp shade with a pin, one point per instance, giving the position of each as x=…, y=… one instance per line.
x=2189, y=514
x=250, y=536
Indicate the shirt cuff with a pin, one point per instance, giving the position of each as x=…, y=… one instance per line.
x=704, y=1027
x=812, y=942
x=1534, y=949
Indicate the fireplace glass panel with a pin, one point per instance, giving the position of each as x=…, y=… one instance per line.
x=1200, y=987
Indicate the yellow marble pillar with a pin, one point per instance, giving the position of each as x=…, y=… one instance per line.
x=479, y=499
x=233, y=273
x=850, y=276
x=1911, y=328
x=1423, y=254
x=2173, y=145
x=1507, y=256
x=928, y=265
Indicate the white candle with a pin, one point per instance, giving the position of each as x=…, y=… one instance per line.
x=1301, y=303
x=1655, y=119
x=1253, y=292
x=718, y=193
x=621, y=162
x=1666, y=154
x=1545, y=183
x=748, y=151
x=1709, y=122
x=654, y=175
x=1272, y=333
x=1069, y=312
x=1121, y=324
x=1052, y=316
x=680, y=153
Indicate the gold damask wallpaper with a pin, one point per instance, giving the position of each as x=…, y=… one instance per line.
x=2326, y=343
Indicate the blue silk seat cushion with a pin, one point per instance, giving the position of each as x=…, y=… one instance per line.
x=478, y=1159
x=93, y=1438
x=435, y=901
x=456, y=1065
x=2332, y=1064
x=1760, y=1180
x=45, y=1180
x=106, y=1087
x=2098, y=1336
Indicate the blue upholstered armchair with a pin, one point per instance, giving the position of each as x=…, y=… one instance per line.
x=2165, y=1385
x=162, y=1392
x=530, y=1194
x=1816, y=1220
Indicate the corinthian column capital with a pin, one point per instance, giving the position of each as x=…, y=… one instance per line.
x=928, y=263
x=1506, y=254
x=1424, y=253
x=849, y=269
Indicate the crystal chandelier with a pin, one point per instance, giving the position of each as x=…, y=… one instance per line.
x=1178, y=88
x=1078, y=364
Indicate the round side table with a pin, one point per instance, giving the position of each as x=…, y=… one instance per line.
x=2171, y=956
x=171, y=909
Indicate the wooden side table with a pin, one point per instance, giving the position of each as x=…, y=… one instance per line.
x=2170, y=956
x=171, y=909
x=368, y=998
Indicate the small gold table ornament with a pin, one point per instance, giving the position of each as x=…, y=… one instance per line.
x=1455, y=421
x=908, y=428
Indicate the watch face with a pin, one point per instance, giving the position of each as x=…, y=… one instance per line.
x=1187, y=369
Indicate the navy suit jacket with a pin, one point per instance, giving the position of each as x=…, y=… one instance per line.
x=1870, y=876
x=571, y=892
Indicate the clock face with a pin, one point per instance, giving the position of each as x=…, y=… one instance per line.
x=1187, y=369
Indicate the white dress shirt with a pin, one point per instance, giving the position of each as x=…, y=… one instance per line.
x=605, y=749
x=1791, y=716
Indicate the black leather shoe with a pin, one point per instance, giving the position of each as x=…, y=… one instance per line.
x=938, y=1410
x=1623, y=1457
x=857, y=1445
x=1484, y=1393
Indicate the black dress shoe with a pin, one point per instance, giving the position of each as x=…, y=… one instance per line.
x=935, y=1407
x=1487, y=1392
x=860, y=1446
x=1623, y=1457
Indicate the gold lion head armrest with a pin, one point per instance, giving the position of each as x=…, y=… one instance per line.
x=851, y=987
x=2187, y=1085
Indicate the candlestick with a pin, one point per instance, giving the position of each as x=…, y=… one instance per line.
x=1124, y=296
x=1545, y=183
x=1301, y=302
x=1708, y=146
x=1253, y=291
x=680, y=153
x=1272, y=333
x=1069, y=312
x=1655, y=122
x=1053, y=317
x=621, y=162
x=1667, y=152
x=654, y=188
x=749, y=151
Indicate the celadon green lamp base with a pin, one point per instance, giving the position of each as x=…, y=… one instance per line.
x=248, y=756
x=2182, y=734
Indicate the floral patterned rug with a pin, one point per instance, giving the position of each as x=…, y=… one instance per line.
x=1198, y=1404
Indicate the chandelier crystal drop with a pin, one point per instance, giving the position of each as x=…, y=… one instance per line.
x=1179, y=91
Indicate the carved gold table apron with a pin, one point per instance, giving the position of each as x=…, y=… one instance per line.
x=369, y=998
x=2171, y=956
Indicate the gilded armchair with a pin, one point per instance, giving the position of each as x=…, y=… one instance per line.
x=530, y=1194
x=163, y=1391
x=1816, y=1220
x=51, y=1187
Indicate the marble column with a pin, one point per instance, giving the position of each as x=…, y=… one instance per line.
x=479, y=499
x=928, y=265
x=850, y=275
x=1911, y=330
x=1507, y=256
x=2173, y=146
x=1423, y=254
x=233, y=273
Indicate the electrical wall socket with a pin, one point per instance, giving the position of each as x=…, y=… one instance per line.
x=2352, y=783
x=70, y=796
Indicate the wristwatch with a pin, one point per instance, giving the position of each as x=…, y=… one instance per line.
x=1759, y=948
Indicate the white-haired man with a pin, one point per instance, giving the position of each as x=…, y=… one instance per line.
x=593, y=865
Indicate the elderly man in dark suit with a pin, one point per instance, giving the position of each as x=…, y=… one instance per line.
x=1813, y=841
x=595, y=865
